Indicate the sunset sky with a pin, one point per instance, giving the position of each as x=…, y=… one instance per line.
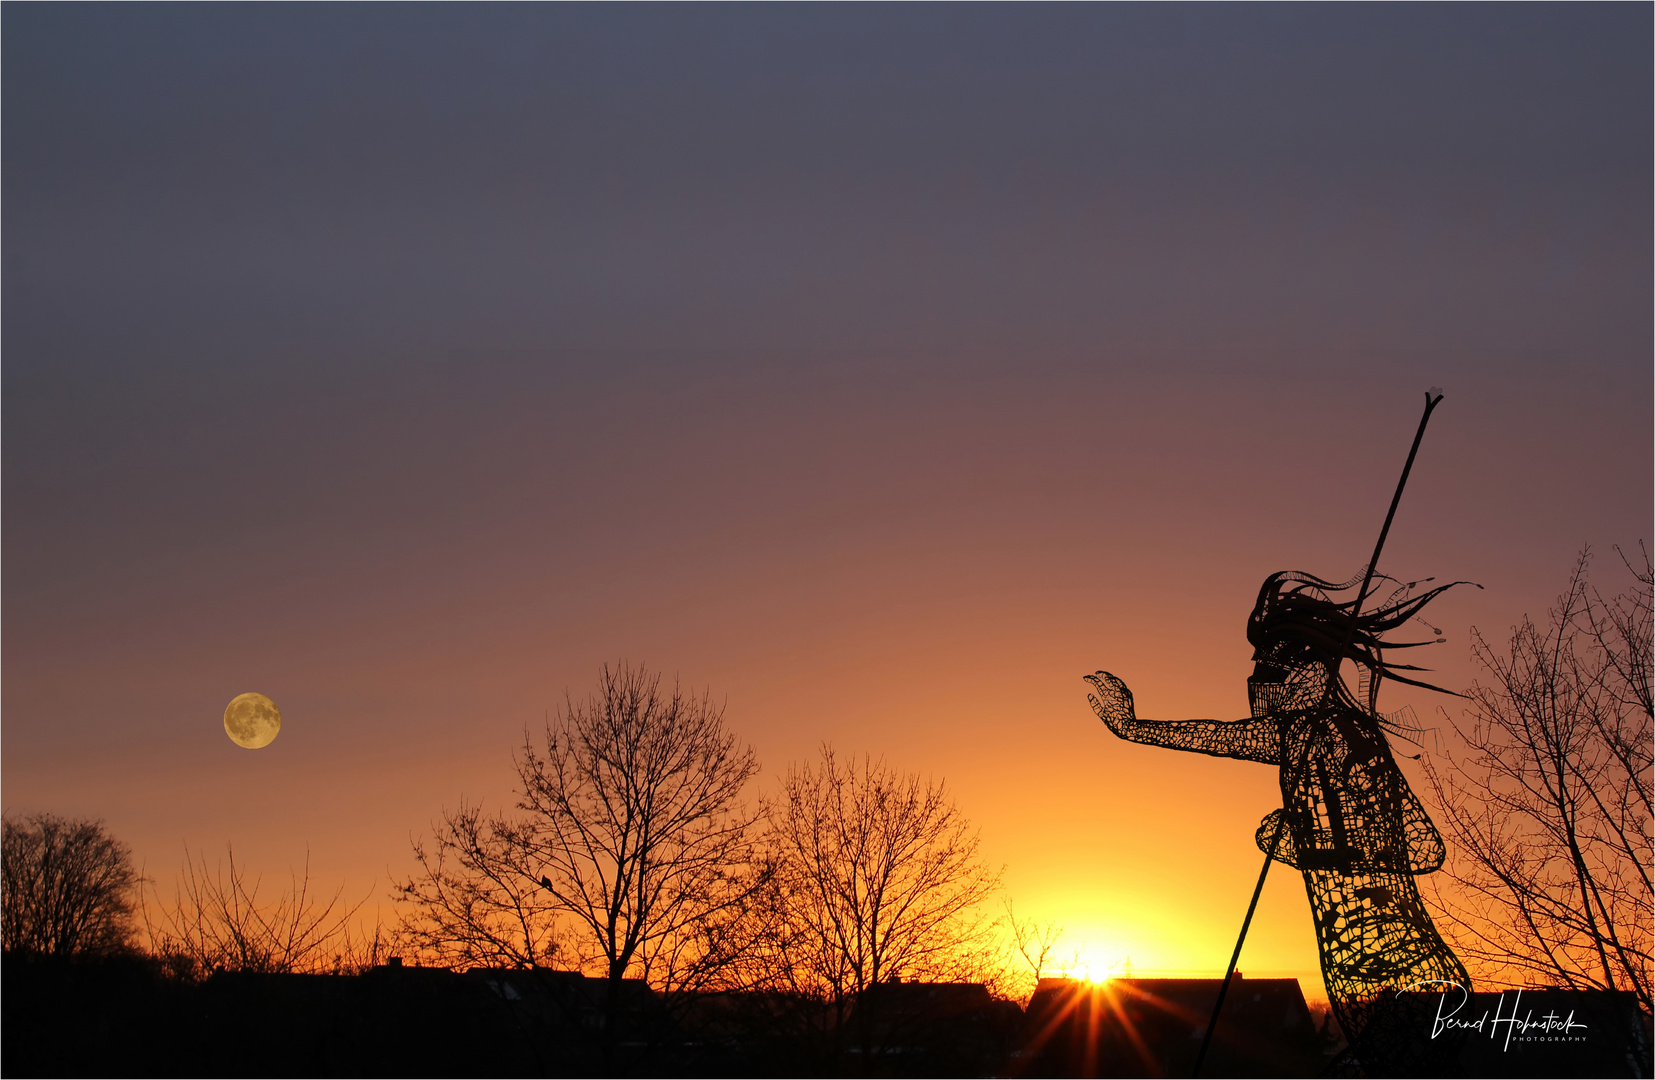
x=884, y=369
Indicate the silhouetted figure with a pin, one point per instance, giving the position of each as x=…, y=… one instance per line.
x=1353, y=827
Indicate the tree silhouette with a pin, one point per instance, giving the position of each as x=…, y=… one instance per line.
x=477, y=900
x=216, y=922
x=878, y=878
x=1549, y=804
x=69, y=888
x=1034, y=942
x=632, y=852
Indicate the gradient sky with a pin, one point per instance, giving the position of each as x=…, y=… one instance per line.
x=883, y=368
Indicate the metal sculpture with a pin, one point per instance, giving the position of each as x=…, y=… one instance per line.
x=1349, y=821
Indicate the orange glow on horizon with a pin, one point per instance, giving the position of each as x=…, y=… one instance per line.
x=1096, y=963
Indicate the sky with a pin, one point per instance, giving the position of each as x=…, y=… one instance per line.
x=882, y=369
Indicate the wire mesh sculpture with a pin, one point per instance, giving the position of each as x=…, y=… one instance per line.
x=1349, y=822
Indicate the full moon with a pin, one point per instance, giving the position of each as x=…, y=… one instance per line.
x=252, y=720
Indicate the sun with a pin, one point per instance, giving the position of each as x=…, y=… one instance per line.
x=1097, y=964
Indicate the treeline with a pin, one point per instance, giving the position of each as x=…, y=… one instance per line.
x=636, y=849
x=637, y=853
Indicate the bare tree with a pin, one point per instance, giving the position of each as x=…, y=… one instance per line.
x=1034, y=941
x=69, y=888
x=635, y=816
x=216, y=922
x=633, y=853
x=878, y=878
x=477, y=900
x=1549, y=806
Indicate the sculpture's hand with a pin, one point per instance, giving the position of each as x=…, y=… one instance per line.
x=1112, y=702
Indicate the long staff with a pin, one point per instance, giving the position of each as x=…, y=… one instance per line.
x=1432, y=397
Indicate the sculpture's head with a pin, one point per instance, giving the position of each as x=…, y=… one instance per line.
x=1301, y=633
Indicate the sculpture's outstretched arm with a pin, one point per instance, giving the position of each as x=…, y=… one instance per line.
x=1254, y=739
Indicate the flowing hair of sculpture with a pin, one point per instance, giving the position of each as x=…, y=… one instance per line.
x=1305, y=617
